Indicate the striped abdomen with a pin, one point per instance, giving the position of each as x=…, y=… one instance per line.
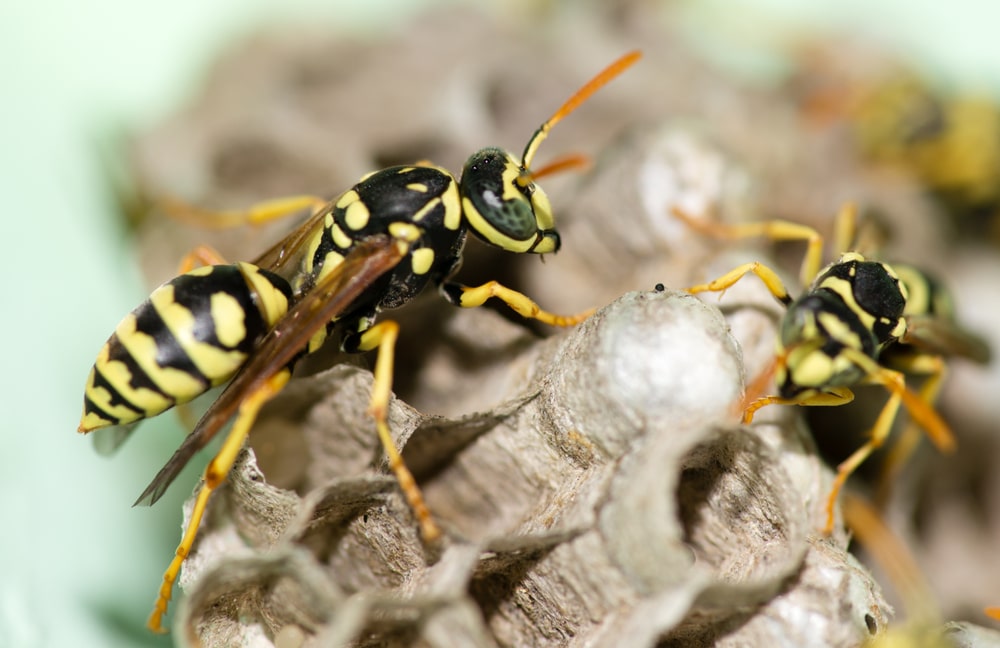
x=193, y=333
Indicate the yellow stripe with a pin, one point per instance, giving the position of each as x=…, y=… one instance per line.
x=142, y=348
x=218, y=365
x=271, y=302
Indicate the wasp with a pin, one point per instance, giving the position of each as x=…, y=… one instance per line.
x=372, y=248
x=859, y=321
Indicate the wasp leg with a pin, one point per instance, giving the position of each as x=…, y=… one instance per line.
x=935, y=369
x=383, y=337
x=993, y=612
x=261, y=212
x=202, y=255
x=919, y=409
x=829, y=397
x=892, y=555
x=768, y=276
x=776, y=230
x=215, y=473
x=470, y=297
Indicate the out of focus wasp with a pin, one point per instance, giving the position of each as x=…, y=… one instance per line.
x=372, y=248
x=859, y=322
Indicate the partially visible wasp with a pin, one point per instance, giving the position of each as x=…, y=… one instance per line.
x=374, y=247
x=859, y=322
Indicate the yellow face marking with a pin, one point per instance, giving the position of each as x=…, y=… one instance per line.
x=426, y=209
x=417, y=186
x=200, y=271
x=843, y=288
x=837, y=329
x=218, y=365
x=422, y=260
x=405, y=231
x=356, y=215
x=484, y=228
x=341, y=240
x=229, y=319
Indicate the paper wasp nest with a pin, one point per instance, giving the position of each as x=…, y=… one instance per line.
x=592, y=483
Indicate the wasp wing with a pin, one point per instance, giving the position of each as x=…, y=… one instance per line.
x=945, y=337
x=328, y=299
x=289, y=250
x=108, y=439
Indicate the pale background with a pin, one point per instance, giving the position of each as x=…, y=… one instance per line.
x=78, y=566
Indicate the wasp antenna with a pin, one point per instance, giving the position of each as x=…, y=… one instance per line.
x=581, y=95
x=565, y=163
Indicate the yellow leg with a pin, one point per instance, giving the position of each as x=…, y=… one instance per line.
x=895, y=559
x=383, y=337
x=469, y=297
x=830, y=397
x=776, y=230
x=255, y=215
x=768, y=276
x=904, y=447
x=876, y=437
x=993, y=612
x=921, y=411
x=202, y=255
x=215, y=473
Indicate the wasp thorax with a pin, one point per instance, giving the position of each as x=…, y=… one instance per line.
x=503, y=206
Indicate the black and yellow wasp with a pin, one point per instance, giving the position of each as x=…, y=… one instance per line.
x=374, y=247
x=859, y=321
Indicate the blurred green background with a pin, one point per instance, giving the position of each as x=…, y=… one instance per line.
x=78, y=566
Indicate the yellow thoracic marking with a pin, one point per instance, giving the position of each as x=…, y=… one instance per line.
x=229, y=318
x=310, y=254
x=216, y=364
x=452, y=206
x=142, y=347
x=422, y=260
x=426, y=209
x=347, y=198
x=405, y=231
x=356, y=215
x=417, y=186
x=341, y=240
x=330, y=261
